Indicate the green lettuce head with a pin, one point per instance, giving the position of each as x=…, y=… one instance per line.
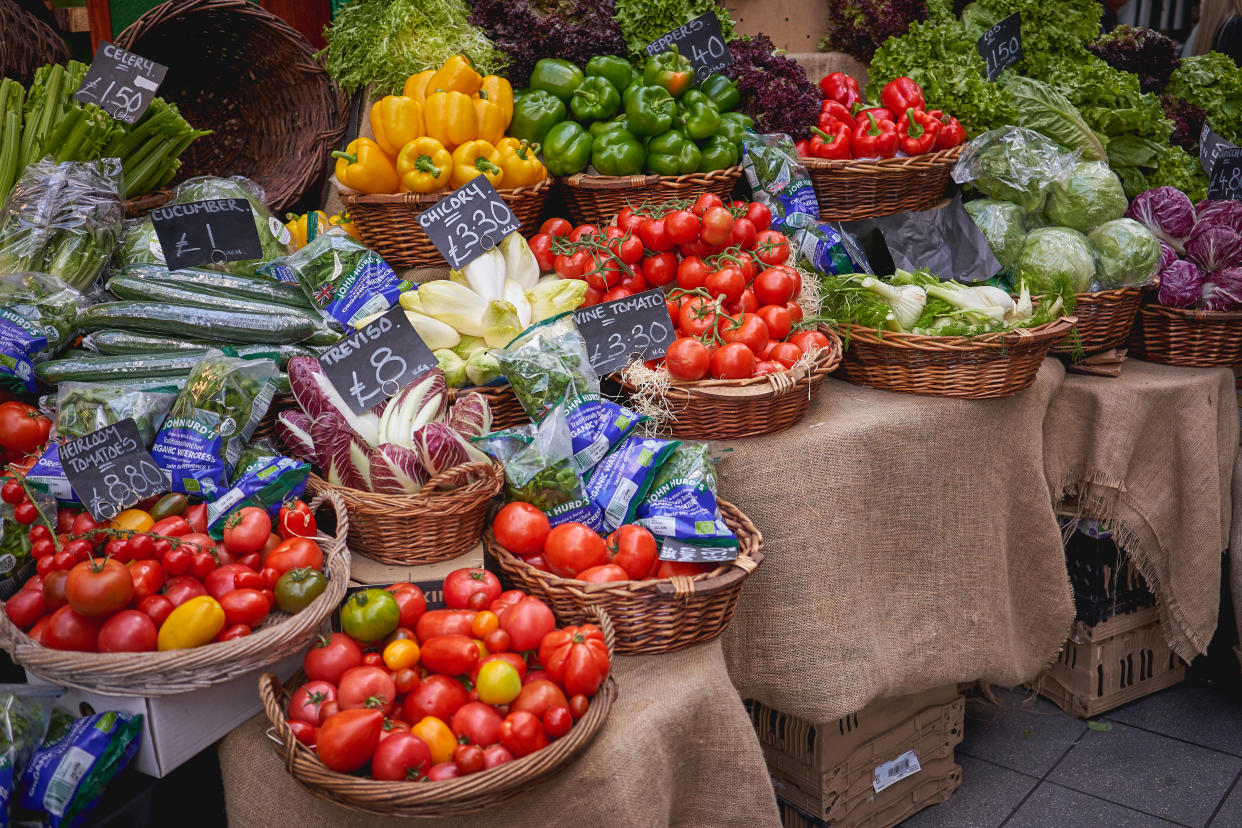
x=1127, y=254
x=1002, y=224
x=1054, y=258
x=1088, y=197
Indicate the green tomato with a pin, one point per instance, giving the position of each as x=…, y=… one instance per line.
x=370, y=615
x=297, y=588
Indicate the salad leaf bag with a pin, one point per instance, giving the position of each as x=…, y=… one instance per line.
x=25, y=713
x=680, y=507
x=83, y=407
x=38, y=318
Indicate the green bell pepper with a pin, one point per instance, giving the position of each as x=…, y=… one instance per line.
x=567, y=148
x=618, y=152
x=560, y=77
x=731, y=127
x=595, y=99
x=669, y=69
x=722, y=91
x=536, y=113
x=600, y=127
x=718, y=153
x=699, y=114
x=649, y=110
x=672, y=154
x=615, y=70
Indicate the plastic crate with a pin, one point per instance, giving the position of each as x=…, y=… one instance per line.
x=932, y=785
x=1106, y=583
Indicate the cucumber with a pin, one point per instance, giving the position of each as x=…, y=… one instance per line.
x=252, y=288
x=113, y=367
x=116, y=342
x=208, y=324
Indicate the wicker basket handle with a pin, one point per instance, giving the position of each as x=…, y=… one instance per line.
x=605, y=624
x=342, y=519
x=459, y=476
x=271, y=693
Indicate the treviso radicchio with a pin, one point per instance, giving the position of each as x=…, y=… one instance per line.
x=1167, y=212
x=1213, y=246
x=1223, y=291
x=293, y=430
x=396, y=470
x=1181, y=285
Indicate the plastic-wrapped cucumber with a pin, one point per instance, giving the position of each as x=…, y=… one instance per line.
x=201, y=323
x=128, y=342
x=253, y=288
x=105, y=368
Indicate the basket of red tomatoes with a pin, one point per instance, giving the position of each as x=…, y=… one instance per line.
x=380, y=719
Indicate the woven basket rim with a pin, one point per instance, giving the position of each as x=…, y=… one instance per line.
x=1055, y=329
x=426, y=199
x=862, y=166
x=476, y=474
x=1191, y=314
x=584, y=181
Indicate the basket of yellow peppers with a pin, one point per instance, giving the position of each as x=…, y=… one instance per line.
x=446, y=128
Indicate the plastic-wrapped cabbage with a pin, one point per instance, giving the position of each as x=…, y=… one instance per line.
x=1090, y=196
x=1165, y=211
x=1055, y=258
x=1015, y=165
x=1127, y=254
x=1181, y=285
x=1003, y=224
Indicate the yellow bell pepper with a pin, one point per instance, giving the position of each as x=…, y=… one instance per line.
x=439, y=738
x=491, y=121
x=520, y=162
x=396, y=121
x=475, y=158
x=364, y=167
x=425, y=166
x=193, y=624
x=450, y=119
x=346, y=222
x=416, y=85
x=133, y=520
x=456, y=75
x=302, y=229
x=499, y=91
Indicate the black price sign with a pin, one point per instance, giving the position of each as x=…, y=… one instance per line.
x=1001, y=45
x=111, y=470
x=1225, y=178
x=1211, y=148
x=701, y=41
x=674, y=550
x=121, y=83
x=468, y=222
x=205, y=232
x=377, y=361
x=634, y=327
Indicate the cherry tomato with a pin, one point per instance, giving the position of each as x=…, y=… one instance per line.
x=25, y=513
x=157, y=608
x=468, y=758
x=717, y=226
x=578, y=705
x=557, y=721
x=12, y=492
x=406, y=680
x=182, y=588
x=494, y=755
x=148, y=578
x=522, y=733
x=733, y=361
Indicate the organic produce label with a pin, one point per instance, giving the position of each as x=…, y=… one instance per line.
x=110, y=470
x=1225, y=178
x=1211, y=148
x=636, y=327
x=377, y=361
x=674, y=550
x=700, y=41
x=121, y=83
x=19, y=341
x=1001, y=46
x=207, y=232
x=468, y=222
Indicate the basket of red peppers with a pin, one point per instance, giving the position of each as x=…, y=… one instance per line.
x=873, y=160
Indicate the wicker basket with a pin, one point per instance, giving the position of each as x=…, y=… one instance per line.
x=989, y=365
x=139, y=206
x=181, y=671
x=507, y=412
x=252, y=79
x=441, y=522
x=1104, y=321
x=727, y=409
x=267, y=426
x=27, y=43
x=389, y=224
x=432, y=799
x=848, y=190
x=657, y=616
x=1195, y=338
x=595, y=199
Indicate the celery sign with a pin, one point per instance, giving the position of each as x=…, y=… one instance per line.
x=121, y=83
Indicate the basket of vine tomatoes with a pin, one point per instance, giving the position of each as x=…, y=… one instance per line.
x=416, y=713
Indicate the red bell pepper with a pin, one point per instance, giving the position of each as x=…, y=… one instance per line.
x=917, y=132
x=880, y=113
x=804, y=148
x=832, y=144
x=951, y=134
x=833, y=111
x=841, y=88
x=877, y=138
x=901, y=94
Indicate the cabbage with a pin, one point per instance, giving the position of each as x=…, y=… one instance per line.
x=439, y=448
x=1181, y=285
x=1167, y=255
x=1002, y=224
x=1213, y=246
x=396, y=470
x=471, y=416
x=1055, y=258
x=1223, y=291
x=1127, y=254
x=293, y=429
x=1165, y=211
x=1227, y=212
x=1090, y=196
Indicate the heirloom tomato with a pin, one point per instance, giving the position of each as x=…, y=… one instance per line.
x=521, y=528
x=575, y=658
x=347, y=740
x=369, y=687
x=572, y=548
x=330, y=656
x=402, y=757
x=309, y=700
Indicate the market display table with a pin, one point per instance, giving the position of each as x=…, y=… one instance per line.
x=678, y=749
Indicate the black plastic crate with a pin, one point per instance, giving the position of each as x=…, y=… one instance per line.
x=1105, y=581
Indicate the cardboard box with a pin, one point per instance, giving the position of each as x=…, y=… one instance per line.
x=365, y=573
x=175, y=728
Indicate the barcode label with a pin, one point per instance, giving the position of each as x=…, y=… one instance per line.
x=65, y=780
x=619, y=503
x=890, y=773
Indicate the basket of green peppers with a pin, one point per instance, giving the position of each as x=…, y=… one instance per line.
x=616, y=136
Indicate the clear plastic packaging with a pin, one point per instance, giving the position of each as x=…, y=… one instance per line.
x=83, y=407
x=38, y=318
x=1014, y=164
x=25, y=713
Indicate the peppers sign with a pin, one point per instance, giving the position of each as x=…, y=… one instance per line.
x=701, y=41
x=121, y=83
x=213, y=231
x=468, y=222
x=1001, y=46
x=110, y=469
x=634, y=327
x=377, y=360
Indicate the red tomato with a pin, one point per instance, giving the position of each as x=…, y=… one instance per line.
x=470, y=589
x=576, y=658
x=743, y=233
x=129, y=631
x=177, y=560
x=479, y=723
x=143, y=548
x=698, y=316
x=751, y=331
x=196, y=516
x=230, y=577
x=604, y=574
x=795, y=311
x=583, y=231
x=777, y=320
x=83, y=524
x=557, y=721
x=36, y=632
x=687, y=359
x=616, y=293
x=767, y=366
x=247, y=530
x=628, y=248
x=786, y=353
x=468, y=758
x=682, y=226
x=692, y=273
x=157, y=608
x=26, y=607
x=439, y=696
x=303, y=732
x=97, y=589
x=772, y=247
x=234, y=632
x=705, y=202
x=294, y=553
x=806, y=340
x=670, y=568
x=572, y=548
x=556, y=227
x=654, y=235
x=347, y=741
x=67, y=630
x=717, y=226
x=636, y=282
x=660, y=269
x=308, y=701
x=507, y=599
x=182, y=588
x=410, y=601
x=727, y=283
x=538, y=695
x=527, y=622
x=23, y=428
x=633, y=548
x=245, y=606
x=522, y=733
x=569, y=266
x=496, y=641
x=369, y=687
x=402, y=757
x=444, y=622
x=148, y=577
x=627, y=219
x=442, y=771
x=578, y=706
x=521, y=528
x=733, y=361
x=494, y=755
x=774, y=287
x=541, y=246
x=450, y=655
x=759, y=215
x=170, y=527
x=406, y=680
x=330, y=656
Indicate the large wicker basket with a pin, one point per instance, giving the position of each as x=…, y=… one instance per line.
x=728, y=409
x=27, y=43
x=989, y=365
x=441, y=522
x=139, y=206
x=656, y=616
x=180, y=671
x=1195, y=338
x=507, y=412
x=595, y=199
x=253, y=80
x=389, y=224
x=1104, y=321
x=848, y=190
x=446, y=798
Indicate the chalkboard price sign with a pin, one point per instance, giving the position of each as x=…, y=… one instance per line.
x=1225, y=177
x=1001, y=46
x=701, y=41
x=1211, y=147
x=468, y=222
x=634, y=327
x=111, y=470
x=121, y=83
x=377, y=361
x=204, y=232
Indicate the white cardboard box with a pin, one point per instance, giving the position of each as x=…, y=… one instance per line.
x=364, y=572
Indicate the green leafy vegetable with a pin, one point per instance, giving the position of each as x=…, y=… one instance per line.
x=1045, y=110
x=1213, y=82
x=643, y=21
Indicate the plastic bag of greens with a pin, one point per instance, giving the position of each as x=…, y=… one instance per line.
x=1014, y=164
x=1127, y=254
x=264, y=478
x=1003, y=224
x=211, y=421
x=680, y=507
x=63, y=219
x=25, y=712
x=1055, y=260
x=83, y=407
x=38, y=318
x=1089, y=196
x=621, y=480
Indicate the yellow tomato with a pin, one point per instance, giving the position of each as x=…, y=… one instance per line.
x=194, y=623
x=439, y=738
x=400, y=654
x=133, y=520
x=498, y=682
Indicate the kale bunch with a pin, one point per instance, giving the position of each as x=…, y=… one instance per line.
x=1143, y=52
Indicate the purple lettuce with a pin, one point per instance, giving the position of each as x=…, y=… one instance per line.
x=1226, y=212
x=1223, y=291
x=293, y=430
x=1181, y=285
x=1213, y=246
x=1167, y=255
x=396, y=470
x=439, y=448
x=1167, y=212
x=471, y=416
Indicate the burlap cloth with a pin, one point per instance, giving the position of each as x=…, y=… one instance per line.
x=678, y=749
x=1235, y=553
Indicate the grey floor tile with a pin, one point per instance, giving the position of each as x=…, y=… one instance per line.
x=1025, y=733
x=1052, y=805
x=988, y=794
x=1187, y=711
x=1152, y=773
x=1230, y=816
